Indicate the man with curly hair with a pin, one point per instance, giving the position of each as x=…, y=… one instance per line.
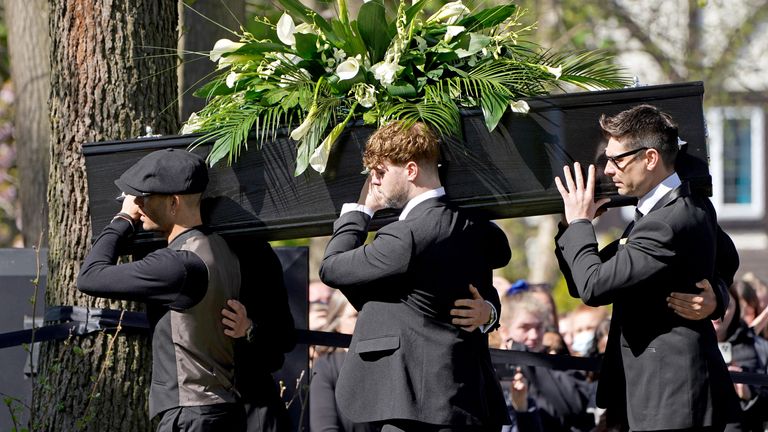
x=419, y=358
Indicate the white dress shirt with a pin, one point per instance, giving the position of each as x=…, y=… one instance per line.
x=646, y=203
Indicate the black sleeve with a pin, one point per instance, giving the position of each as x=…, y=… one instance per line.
x=726, y=265
x=487, y=239
x=322, y=402
x=176, y=279
x=265, y=297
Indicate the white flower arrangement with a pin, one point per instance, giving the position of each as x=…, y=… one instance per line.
x=323, y=74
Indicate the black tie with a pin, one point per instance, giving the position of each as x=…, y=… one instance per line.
x=638, y=215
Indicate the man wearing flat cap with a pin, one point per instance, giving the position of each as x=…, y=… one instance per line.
x=187, y=286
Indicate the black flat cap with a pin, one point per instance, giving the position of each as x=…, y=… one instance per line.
x=168, y=172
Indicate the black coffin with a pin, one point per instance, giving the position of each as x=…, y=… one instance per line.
x=507, y=173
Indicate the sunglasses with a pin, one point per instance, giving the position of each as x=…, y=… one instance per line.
x=618, y=157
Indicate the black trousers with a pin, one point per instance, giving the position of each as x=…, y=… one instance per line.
x=415, y=426
x=699, y=429
x=228, y=417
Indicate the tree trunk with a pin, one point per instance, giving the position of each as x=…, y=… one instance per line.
x=29, y=45
x=202, y=23
x=107, y=83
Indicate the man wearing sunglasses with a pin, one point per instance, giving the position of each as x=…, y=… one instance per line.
x=662, y=368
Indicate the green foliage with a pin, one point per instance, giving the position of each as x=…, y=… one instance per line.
x=384, y=65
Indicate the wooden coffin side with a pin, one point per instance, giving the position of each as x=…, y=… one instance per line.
x=506, y=173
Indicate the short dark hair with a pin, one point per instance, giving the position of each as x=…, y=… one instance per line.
x=644, y=126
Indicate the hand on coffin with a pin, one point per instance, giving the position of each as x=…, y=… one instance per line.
x=130, y=208
x=578, y=197
x=235, y=319
x=694, y=306
x=471, y=313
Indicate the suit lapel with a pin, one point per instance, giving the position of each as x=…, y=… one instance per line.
x=681, y=191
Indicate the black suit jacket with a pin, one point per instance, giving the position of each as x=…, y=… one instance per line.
x=265, y=298
x=660, y=371
x=406, y=360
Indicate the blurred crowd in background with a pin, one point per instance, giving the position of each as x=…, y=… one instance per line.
x=529, y=321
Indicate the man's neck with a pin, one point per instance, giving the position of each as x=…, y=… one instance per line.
x=648, y=201
x=418, y=190
x=183, y=225
x=655, y=178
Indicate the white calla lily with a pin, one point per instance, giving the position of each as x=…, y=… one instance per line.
x=232, y=79
x=285, y=30
x=319, y=159
x=519, y=106
x=450, y=13
x=451, y=31
x=555, y=71
x=348, y=69
x=299, y=133
x=223, y=46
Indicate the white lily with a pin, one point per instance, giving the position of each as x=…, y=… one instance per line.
x=339, y=55
x=450, y=13
x=319, y=159
x=365, y=94
x=348, y=69
x=265, y=70
x=285, y=30
x=451, y=31
x=232, y=79
x=519, y=106
x=305, y=28
x=299, y=133
x=385, y=72
x=555, y=71
x=192, y=124
x=223, y=46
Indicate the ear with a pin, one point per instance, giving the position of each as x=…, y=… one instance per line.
x=175, y=203
x=412, y=170
x=652, y=159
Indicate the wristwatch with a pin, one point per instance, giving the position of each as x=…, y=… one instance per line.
x=250, y=333
x=492, y=317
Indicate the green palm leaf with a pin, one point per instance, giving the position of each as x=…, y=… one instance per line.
x=437, y=110
x=230, y=133
x=588, y=69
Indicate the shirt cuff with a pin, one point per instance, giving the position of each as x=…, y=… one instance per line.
x=349, y=207
x=494, y=316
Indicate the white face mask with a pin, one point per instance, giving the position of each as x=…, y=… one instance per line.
x=582, y=342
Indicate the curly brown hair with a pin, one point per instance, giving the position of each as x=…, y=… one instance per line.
x=399, y=143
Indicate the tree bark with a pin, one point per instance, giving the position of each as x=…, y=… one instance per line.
x=106, y=83
x=201, y=24
x=29, y=45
